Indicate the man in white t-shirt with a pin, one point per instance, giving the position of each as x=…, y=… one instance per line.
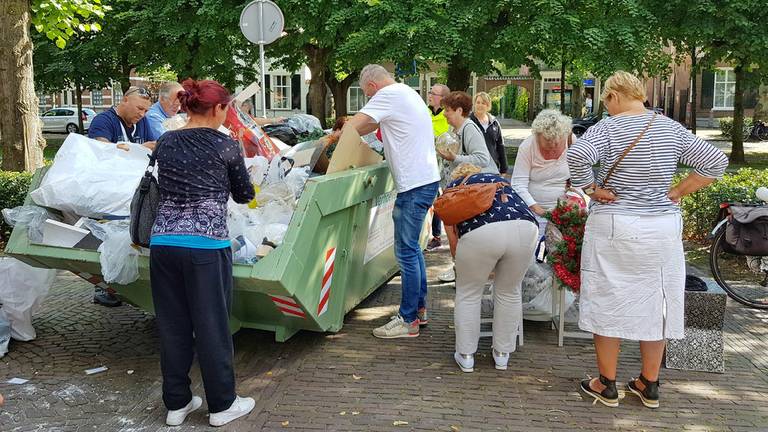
x=409, y=147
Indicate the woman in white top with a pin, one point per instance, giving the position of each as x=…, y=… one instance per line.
x=541, y=167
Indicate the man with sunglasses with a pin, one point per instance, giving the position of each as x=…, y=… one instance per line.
x=126, y=121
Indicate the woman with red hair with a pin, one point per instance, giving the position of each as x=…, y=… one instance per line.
x=191, y=257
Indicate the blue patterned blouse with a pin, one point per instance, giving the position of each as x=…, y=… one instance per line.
x=198, y=168
x=513, y=209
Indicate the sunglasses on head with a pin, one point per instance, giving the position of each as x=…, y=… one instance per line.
x=141, y=91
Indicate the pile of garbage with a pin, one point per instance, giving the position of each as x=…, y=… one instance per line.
x=91, y=184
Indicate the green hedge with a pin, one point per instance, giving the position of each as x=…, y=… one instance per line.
x=13, y=190
x=701, y=208
x=726, y=125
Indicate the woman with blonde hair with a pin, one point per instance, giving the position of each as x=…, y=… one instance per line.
x=500, y=240
x=491, y=129
x=632, y=262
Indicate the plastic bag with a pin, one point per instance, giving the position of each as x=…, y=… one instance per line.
x=304, y=123
x=91, y=178
x=447, y=141
x=22, y=290
x=306, y=153
x=244, y=129
x=5, y=333
x=176, y=122
x=30, y=216
x=374, y=143
x=283, y=132
x=257, y=169
x=296, y=179
x=119, y=259
x=244, y=251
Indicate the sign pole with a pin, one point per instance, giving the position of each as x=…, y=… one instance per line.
x=263, y=66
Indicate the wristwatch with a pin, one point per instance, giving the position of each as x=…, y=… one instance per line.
x=589, y=190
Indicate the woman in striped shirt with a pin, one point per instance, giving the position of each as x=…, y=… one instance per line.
x=632, y=263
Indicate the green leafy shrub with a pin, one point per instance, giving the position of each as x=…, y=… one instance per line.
x=700, y=209
x=521, y=106
x=726, y=126
x=13, y=190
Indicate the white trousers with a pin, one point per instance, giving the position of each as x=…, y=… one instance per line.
x=507, y=249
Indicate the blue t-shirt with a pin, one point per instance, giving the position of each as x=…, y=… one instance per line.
x=513, y=209
x=110, y=126
x=155, y=118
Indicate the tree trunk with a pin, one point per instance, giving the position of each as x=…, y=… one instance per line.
x=458, y=75
x=316, y=58
x=576, y=101
x=562, y=86
x=694, y=93
x=125, y=69
x=339, y=90
x=737, y=138
x=79, y=98
x=20, y=128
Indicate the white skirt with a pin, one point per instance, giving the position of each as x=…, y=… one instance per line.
x=633, y=277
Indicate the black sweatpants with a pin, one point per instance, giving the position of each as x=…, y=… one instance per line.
x=192, y=294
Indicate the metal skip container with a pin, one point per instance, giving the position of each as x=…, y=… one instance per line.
x=338, y=249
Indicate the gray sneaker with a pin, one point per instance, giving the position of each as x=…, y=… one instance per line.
x=449, y=276
x=397, y=328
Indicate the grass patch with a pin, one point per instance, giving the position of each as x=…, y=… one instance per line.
x=52, y=146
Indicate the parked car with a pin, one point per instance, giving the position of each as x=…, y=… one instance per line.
x=64, y=119
x=580, y=125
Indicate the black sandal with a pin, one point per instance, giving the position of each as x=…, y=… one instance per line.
x=649, y=396
x=608, y=397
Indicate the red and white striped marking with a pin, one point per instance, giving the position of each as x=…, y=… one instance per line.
x=288, y=306
x=325, y=292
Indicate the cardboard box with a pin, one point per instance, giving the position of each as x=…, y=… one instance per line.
x=352, y=152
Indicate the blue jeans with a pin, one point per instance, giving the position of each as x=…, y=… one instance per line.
x=410, y=210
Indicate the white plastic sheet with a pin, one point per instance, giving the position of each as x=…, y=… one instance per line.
x=30, y=216
x=22, y=290
x=92, y=178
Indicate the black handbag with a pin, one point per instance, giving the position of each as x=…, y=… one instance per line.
x=144, y=204
x=746, y=232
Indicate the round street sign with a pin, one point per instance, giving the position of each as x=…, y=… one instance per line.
x=262, y=22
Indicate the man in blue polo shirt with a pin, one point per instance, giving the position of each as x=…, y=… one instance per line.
x=167, y=106
x=125, y=122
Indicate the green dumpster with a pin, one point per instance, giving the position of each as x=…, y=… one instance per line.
x=338, y=249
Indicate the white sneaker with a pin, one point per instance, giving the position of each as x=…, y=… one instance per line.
x=449, y=276
x=240, y=407
x=501, y=359
x=466, y=362
x=177, y=417
x=397, y=328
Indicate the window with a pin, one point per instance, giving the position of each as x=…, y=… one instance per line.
x=97, y=98
x=414, y=82
x=117, y=95
x=725, y=87
x=281, y=92
x=355, y=98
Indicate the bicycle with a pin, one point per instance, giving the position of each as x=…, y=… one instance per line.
x=757, y=131
x=743, y=277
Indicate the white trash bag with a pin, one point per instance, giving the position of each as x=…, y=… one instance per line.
x=119, y=259
x=92, y=178
x=22, y=290
x=5, y=333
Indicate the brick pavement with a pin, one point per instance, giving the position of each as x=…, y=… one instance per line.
x=351, y=381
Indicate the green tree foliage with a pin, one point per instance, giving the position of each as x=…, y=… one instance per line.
x=195, y=39
x=60, y=20
x=729, y=31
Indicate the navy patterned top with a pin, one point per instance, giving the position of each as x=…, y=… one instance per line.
x=197, y=170
x=513, y=209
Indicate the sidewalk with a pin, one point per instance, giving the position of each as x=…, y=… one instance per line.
x=351, y=381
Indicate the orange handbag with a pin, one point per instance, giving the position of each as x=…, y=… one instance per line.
x=463, y=201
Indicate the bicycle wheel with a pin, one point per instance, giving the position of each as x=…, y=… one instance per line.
x=744, y=278
x=762, y=133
